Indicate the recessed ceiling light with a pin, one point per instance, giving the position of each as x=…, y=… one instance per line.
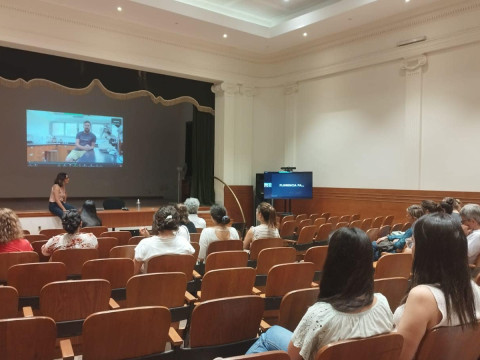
x=225, y=36
x=407, y=0
x=305, y=34
x=119, y=8
x=286, y=1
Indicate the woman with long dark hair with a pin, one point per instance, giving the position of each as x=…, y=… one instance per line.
x=267, y=216
x=347, y=307
x=89, y=214
x=57, y=203
x=441, y=291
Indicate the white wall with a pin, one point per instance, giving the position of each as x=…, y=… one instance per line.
x=350, y=128
x=451, y=120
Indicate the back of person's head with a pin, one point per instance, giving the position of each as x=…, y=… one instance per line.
x=268, y=213
x=89, y=207
x=192, y=205
x=89, y=214
x=71, y=221
x=451, y=201
x=347, y=282
x=471, y=212
x=440, y=259
x=10, y=228
x=430, y=206
x=60, y=179
x=447, y=207
x=415, y=211
x=219, y=214
x=182, y=213
x=166, y=218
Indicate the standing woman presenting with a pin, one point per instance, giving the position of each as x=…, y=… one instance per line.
x=58, y=196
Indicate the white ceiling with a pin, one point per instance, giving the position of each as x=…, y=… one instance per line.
x=259, y=27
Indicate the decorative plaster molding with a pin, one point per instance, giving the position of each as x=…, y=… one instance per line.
x=414, y=63
x=248, y=90
x=97, y=83
x=290, y=89
x=226, y=88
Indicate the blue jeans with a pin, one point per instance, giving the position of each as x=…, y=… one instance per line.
x=276, y=338
x=57, y=210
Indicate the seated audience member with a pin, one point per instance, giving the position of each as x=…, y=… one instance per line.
x=396, y=242
x=72, y=239
x=220, y=231
x=192, y=205
x=89, y=214
x=166, y=240
x=268, y=225
x=470, y=214
x=347, y=308
x=442, y=292
x=184, y=220
x=430, y=207
x=455, y=211
x=11, y=233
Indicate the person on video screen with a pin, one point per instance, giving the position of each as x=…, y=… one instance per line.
x=85, y=141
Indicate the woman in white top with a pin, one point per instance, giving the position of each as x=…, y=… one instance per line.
x=441, y=291
x=347, y=307
x=57, y=203
x=268, y=225
x=220, y=231
x=166, y=241
x=73, y=239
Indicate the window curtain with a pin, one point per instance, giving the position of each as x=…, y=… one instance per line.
x=203, y=147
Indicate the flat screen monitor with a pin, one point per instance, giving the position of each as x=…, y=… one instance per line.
x=287, y=185
x=73, y=140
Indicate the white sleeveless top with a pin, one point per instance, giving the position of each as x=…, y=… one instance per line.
x=263, y=231
x=440, y=299
x=322, y=325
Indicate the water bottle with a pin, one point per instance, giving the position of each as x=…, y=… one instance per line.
x=138, y=204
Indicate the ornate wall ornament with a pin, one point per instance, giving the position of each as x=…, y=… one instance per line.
x=97, y=83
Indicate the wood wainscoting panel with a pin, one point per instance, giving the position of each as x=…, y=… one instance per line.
x=244, y=194
x=370, y=202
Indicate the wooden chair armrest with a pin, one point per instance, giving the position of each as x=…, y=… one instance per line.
x=199, y=295
x=314, y=284
x=27, y=311
x=256, y=291
x=262, y=296
x=66, y=349
x=196, y=275
x=189, y=298
x=287, y=241
x=113, y=304
x=174, y=338
x=264, y=326
x=375, y=264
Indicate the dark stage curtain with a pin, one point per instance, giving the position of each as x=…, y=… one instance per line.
x=203, y=146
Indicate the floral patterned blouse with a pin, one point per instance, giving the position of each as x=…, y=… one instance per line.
x=70, y=241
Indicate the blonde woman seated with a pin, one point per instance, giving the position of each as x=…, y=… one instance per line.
x=220, y=231
x=268, y=225
x=167, y=239
x=11, y=233
x=442, y=292
x=73, y=239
